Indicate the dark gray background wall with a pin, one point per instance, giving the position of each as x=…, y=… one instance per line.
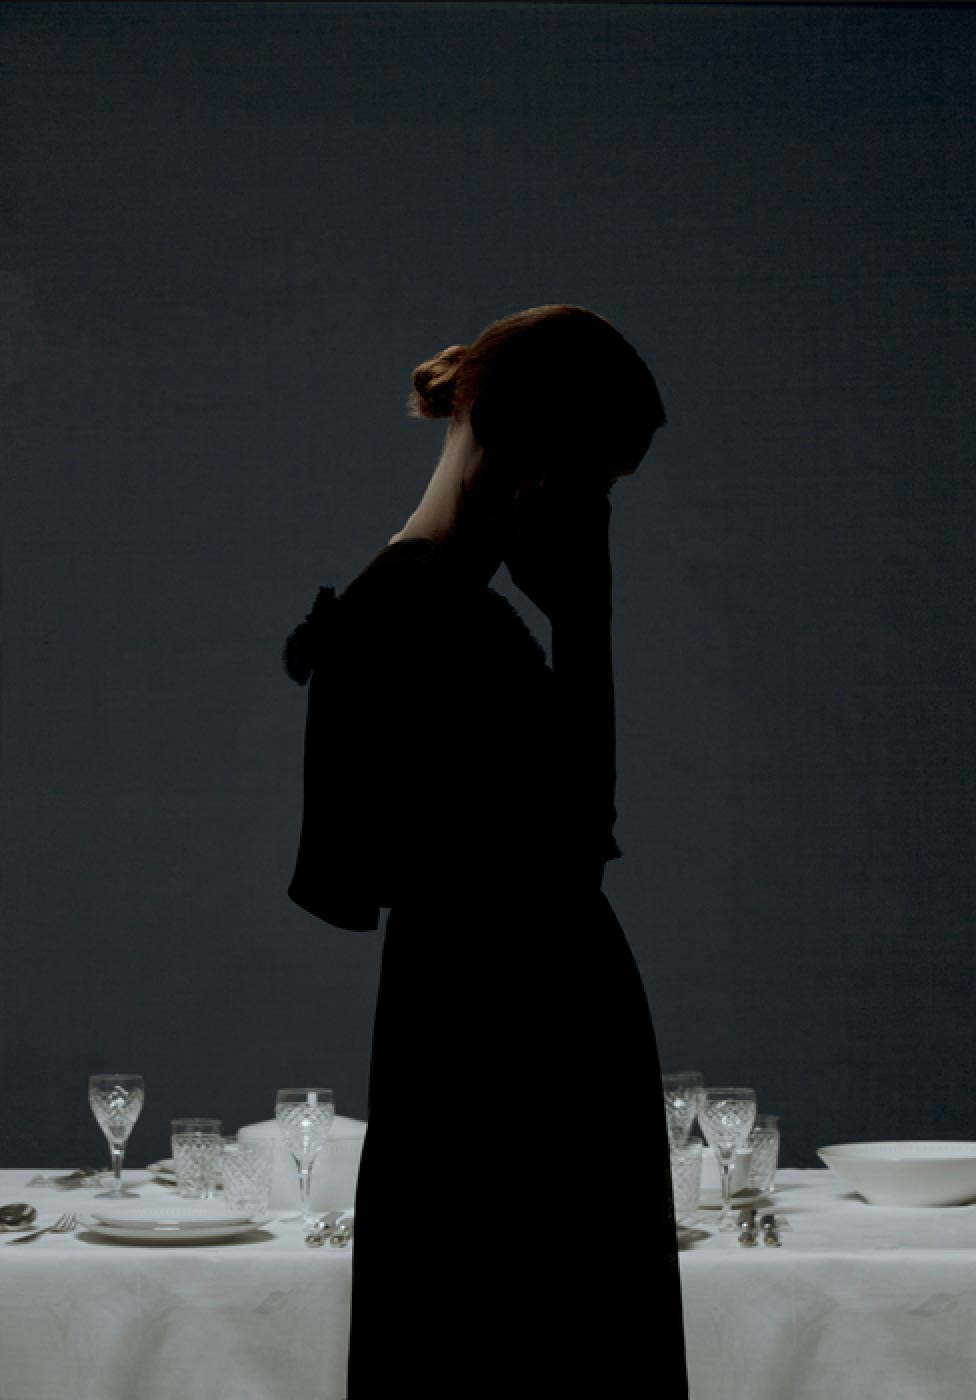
x=231, y=231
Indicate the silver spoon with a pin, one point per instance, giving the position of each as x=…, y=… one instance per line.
x=770, y=1233
x=323, y=1227
x=17, y=1216
x=779, y=1222
x=341, y=1237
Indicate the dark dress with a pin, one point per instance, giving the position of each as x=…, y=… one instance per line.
x=514, y=1220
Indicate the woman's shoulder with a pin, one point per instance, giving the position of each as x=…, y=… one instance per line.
x=474, y=617
x=337, y=614
x=395, y=567
x=410, y=592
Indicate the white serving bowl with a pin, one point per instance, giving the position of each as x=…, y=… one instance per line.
x=906, y=1173
x=711, y=1177
x=333, y=1179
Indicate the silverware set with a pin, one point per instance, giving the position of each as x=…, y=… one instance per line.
x=331, y=1227
x=69, y=1181
x=62, y=1226
x=769, y=1225
x=334, y=1227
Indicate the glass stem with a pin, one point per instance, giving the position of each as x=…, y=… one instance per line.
x=304, y=1186
x=118, y=1153
x=726, y=1165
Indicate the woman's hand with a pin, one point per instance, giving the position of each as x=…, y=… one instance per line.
x=558, y=552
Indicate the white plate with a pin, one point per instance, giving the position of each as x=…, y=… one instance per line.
x=175, y=1234
x=183, y=1213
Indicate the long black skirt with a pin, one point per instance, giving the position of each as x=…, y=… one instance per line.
x=514, y=1218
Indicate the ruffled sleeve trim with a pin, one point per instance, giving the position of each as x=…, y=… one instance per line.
x=305, y=644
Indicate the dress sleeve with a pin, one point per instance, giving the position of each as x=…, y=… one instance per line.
x=374, y=665
x=331, y=878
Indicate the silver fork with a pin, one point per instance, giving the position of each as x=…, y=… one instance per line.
x=62, y=1226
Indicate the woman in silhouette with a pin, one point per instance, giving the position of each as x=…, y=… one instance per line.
x=515, y=1229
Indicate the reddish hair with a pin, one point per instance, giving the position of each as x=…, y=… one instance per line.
x=554, y=384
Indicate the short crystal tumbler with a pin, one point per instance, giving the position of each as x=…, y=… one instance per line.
x=247, y=1168
x=764, y=1141
x=196, y=1155
x=686, y=1170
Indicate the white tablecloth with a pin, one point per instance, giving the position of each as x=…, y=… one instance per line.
x=258, y=1317
x=860, y=1303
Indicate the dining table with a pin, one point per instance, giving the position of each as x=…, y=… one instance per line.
x=260, y=1316
x=859, y=1302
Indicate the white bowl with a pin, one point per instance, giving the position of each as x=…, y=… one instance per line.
x=906, y=1173
x=333, y=1182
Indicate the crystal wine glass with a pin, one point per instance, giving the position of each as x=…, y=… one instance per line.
x=305, y=1118
x=116, y=1101
x=726, y=1116
x=683, y=1092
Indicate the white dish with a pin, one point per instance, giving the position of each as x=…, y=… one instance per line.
x=177, y=1233
x=171, y=1212
x=906, y=1172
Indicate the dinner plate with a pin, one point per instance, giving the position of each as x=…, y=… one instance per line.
x=179, y=1232
x=169, y=1212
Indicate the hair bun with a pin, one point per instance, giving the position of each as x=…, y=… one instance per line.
x=432, y=395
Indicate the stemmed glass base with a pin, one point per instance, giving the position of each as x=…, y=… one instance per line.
x=726, y=1160
x=118, y=1192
